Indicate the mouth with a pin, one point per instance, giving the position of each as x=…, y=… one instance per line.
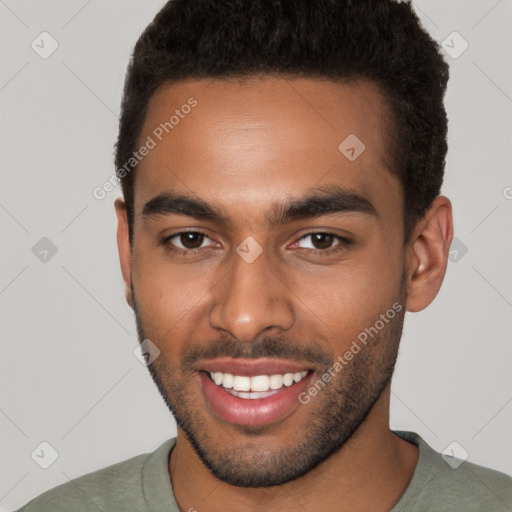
x=258, y=386
x=252, y=392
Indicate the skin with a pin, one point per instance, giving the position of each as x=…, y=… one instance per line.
x=247, y=146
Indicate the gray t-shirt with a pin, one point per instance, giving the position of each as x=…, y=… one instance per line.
x=142, y=483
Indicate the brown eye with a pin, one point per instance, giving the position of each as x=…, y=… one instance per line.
x=187, y=241
x=322, y=240
x=191, y=240
x=323, y=243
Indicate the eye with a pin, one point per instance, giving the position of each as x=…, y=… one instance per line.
x=320, y=242
x=323, y=242
x=186, y=241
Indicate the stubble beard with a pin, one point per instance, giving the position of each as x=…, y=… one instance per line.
x=335, y=415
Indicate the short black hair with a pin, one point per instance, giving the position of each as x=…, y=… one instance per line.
x=377, y=40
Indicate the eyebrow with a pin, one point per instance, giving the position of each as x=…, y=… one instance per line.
x=318, y=202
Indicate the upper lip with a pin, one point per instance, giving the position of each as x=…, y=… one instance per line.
x=252, y=367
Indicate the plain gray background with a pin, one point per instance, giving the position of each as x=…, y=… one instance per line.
x=68, y=373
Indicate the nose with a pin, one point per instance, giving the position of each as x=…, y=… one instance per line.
x=251, y=301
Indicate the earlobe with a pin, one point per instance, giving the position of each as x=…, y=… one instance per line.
x=427, y=254
x=123, y=246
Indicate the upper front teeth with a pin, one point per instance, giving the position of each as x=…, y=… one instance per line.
x=256, y=383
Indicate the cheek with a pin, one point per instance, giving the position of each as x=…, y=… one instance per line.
x=338, y=301
x=348, y=298
x=170, y=298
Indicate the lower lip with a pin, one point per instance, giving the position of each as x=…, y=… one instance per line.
x=249, y=412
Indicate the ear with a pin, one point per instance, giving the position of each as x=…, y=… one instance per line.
x=123, y=246
x=427, y=254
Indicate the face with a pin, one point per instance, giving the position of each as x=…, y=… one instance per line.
x=263, y=255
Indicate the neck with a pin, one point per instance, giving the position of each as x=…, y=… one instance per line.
x=369, y=473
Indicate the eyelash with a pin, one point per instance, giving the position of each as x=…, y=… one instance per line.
x=343, y=243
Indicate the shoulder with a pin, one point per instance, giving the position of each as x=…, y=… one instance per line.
x=445, y=483
x=116, y=487
x=476, y=487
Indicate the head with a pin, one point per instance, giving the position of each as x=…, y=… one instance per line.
x=285, y=211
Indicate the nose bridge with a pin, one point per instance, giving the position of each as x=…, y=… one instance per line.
x=250, y=299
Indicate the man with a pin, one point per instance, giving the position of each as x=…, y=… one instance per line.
x=281, y=165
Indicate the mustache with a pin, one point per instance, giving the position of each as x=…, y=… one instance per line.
x=270, y=346
x=266, y=346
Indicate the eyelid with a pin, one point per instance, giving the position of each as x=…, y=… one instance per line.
x=343, y=242
x=167, y=239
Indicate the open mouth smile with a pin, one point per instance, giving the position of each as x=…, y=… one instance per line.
x=252, y=392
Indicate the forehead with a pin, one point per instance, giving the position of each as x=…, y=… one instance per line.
x=260, y=140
